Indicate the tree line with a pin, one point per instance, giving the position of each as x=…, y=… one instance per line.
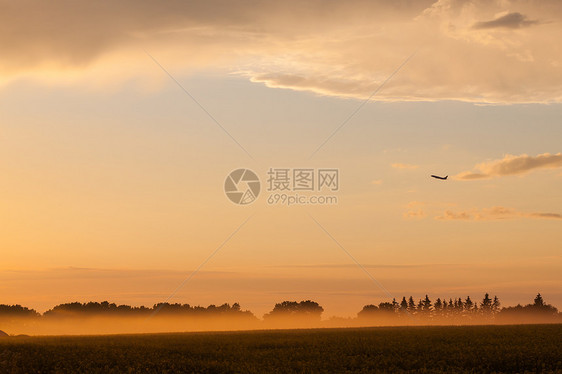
x=424, y=309
x=456, y=309
x=112, y=309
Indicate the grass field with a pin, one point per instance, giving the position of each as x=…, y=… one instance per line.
x=469, y=349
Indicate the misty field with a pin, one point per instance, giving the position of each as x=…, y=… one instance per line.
x=523, y=348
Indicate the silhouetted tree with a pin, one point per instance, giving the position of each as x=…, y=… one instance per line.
x=540, y=306
x=539, y=302
x=403, y=305
x=395, y=305
x=438, y=306
x=386, y=307
x=384, y=311
x=17, y=311
x=496, y=305
x=468, y=305
x=445, y=308
x=305, y=309
x=539, y=311
x=411, y=305
x=486, y=305
x=427, y=306
x=310, y=308
x=368, y=311
x=163, y=309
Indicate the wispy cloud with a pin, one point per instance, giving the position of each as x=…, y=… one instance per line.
x=415, y=210
x=513, y=20
x=449, y=215
x=376, y=182
x=494, y=213
x=513, y=165
x=545, y=215
x=370, y=266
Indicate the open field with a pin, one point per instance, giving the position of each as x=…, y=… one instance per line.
x=524, y=348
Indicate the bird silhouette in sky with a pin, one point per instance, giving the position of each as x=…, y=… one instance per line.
x=438, y=177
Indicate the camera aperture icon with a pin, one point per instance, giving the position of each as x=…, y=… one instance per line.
x=242, y=186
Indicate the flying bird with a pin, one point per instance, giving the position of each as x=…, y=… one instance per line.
x=438, y=177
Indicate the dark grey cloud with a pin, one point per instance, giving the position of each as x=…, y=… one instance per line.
x=546, y=215
x=513, y=20
x=76, y=32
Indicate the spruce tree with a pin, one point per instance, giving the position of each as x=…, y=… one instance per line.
x=539, y=302
x=486, y=305
x=411, y=305
x=468, y=305
x=403, y=304
x=496, y=305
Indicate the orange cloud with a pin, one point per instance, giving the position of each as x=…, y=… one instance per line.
x=327, y=49
x=494, y=213
x=415, y=210
x=449, y=215
x=513, y=165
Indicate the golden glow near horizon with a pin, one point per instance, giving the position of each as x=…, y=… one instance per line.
x=112, y=177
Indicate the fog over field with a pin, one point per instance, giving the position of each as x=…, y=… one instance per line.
x=108, y=318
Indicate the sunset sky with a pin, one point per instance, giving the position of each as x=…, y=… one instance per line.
x=112, y=176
